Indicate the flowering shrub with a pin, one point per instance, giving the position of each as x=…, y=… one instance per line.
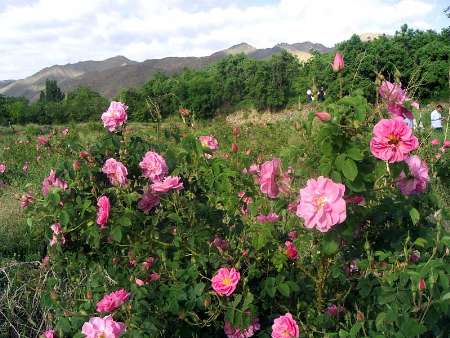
x=166, y=241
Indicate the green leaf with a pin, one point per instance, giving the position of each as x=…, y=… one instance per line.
x=29, y=222
x=339, y=162
x=116, y=233
x=415, y=215
x=283, y=288
x=446, y=296
x=330, y=247
x=420, y=242
x=350, y=170
x=247, y=301
x=124, y=221
x=355, y=154
x=237, y=300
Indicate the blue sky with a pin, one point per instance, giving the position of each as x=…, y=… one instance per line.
x=40, y=33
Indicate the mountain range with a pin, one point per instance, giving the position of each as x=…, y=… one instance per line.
x=109, y=76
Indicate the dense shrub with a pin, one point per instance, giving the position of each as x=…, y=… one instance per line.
x=379, y=267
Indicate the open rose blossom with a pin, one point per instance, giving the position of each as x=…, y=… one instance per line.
x=167, y=184
x=105, y=327
x=48, y=334
x=225, y=281
x=2, y=168
x=116, y=172
x=112, y=301
x=272, y=181
x=338, y=62
x=291, y=250
x=233, y=332
x=51, y=181
x=397, y=100
x=209, y=142
x=322, y=204
x=435, y=142
x=447, y=144
x=153, y=166
x=115, y=116
x=416, y=181
x=392, y=140
x=103, y=211
x=285, y=327
x=148, y=201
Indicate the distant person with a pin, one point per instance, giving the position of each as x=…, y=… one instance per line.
x=321, y=95
x=410, y=123
x=436, y=118
x=309, y=97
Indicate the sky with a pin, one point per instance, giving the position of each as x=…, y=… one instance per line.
x=40, y=33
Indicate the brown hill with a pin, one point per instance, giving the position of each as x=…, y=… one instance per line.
x=109, y=76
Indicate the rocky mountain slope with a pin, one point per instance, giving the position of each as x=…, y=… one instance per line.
x=109, y=76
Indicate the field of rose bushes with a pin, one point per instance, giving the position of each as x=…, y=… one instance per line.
x=331, y=224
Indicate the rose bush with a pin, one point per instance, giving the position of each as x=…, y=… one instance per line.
x=170, y=242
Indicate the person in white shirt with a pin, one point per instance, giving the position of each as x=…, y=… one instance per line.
x=436, y=118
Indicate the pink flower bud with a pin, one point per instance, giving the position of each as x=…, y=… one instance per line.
x=422, y=285
x=323, y=116
x=338, y=63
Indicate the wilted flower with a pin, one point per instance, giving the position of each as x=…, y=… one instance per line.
x=271, y=217
x=235, y=332
x=51, y=181
x=334, y=310
x=415, y=256
x=322, y=204
x=285, y=327
x=272, y=180
x=42, y=140
x=25, y=167
x=167, y=184
x=115, y=116
x=392, y=140
x=416, y=181
x=148, y=263
x=220, y=243
x=225, y=281
x=148, y=201
x=26, y=200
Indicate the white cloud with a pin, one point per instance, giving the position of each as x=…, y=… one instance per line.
x=45, y=32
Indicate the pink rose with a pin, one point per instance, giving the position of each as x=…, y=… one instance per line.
x=48, y=334
x=2, y=168
x=396, y=98
x=435, y=142
x=153, y=166
x=167, y=184
x=285, y=327
x=323, y=116
x=235, y=332
x=322, y=204
x=154, y=277
x=291, y=250
x=225, y=281
x=104, y=327
x=116, y=172
x=271, y=217
x=254, y=169
x=115, y=116
x=447, y=144
x=338, y=63
x=392, y=140
x=112, y=301
x=416, y=181
x=272, y=180
x=103, y=211
x=148, y=201
x=209, y=142
x=65, y=131
x=51, y=181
